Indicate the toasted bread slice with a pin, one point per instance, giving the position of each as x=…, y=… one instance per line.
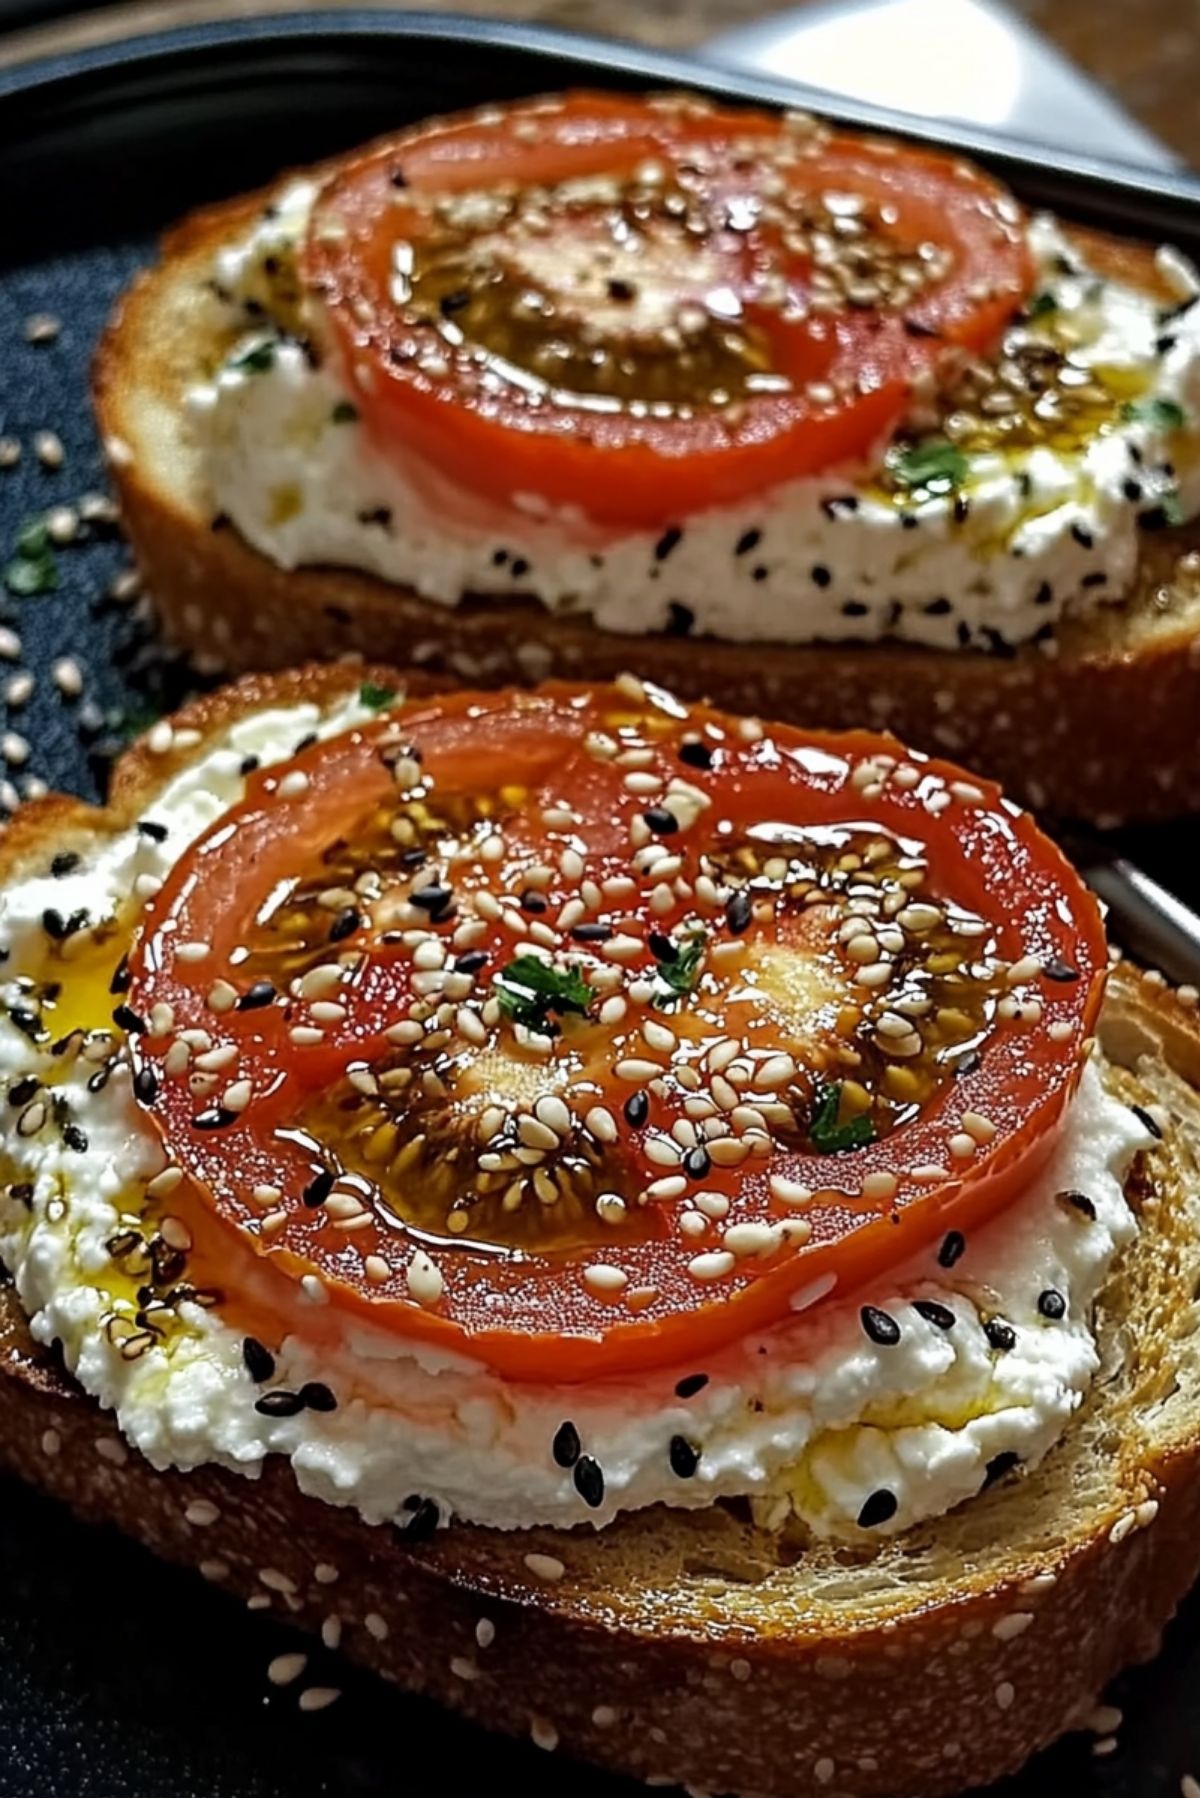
x=1097, y=728
x=693, y=1646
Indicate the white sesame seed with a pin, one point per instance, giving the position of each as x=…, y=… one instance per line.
x=318, y=1698
x=1007, y=1629
x=636, y=1070
x=601, y=1124
x=604, y=1716
x=485, y=1632
x=376, y=1626
x=543, y=1734
x=545, y=1567
x=214, y=1570
x=881, y=1185
x=160, y=737
x=824, y=1770
x=112, y=1450
x=14, y=749
x=237, y=1096
x=51, y=1443
x=1103, y=1719
x=18, y=690
x=713, y=1266
x=1146, y=1512
x=1124, y=1526
x=962, y=1146
x=424, y=1279
x=313, y=1289
x=602, y=1278
x=462, y=1668
x=978, y=1126
x=610, y=1208
x=47, y=447
x=41, y=327
x=1005, y=1693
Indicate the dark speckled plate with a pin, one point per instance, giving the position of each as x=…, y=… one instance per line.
x=120, y=1678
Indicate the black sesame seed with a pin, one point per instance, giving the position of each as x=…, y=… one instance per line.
x=690, y=1385
x=316, y=1396
x=999, y=1465
x=398, y=178
x=819, y=575
x=249, y=764
x=1143, y=1116
x=279, y=1404
x=1052, y=1304
x=880, y=1508
x=667, y=542
x=423, y=1523
x=854, y=608
x=661, y=947
x=968, y=1063
x=880, y=1326
x=909, y=521
x=219, y=1117
x=151, y=830
x=696, y=754
x=256, y=996
x=637, y=1109
x=1044, y=594
x=64, y=863
x=454, y=302
x=940, y=1316
x=318, y=1189
x=431, y=899
x=738, y=911
x=259, y=1361
x=592, y=933
x=1000, y=1335
x=128, y=1020
x=1054, y=969
x=680, y=619
x=662, y=822
x=520, y=568
x=54, y=924
x=121, y=977
x=1132, y=490
x=759, y=572
x=697, y=1162
x=145, y=1086
x=589, y=1481
x=953, y=1245
x=937, y=608
x=75, y=1138
x=1077, y=1201
x=962, y=633
x=22, y=1090
x=499, y=558
x=27, y=1022
x=962, y=508
x=620, y=290
x=566, y=1446
x=347, y=921
x=747, y=541
x=472, y=961
x=684, y=1457
x=533, y=901
x=1083, y=536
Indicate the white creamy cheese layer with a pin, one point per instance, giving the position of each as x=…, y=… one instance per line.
x=810, y=1416
x=1050, y=533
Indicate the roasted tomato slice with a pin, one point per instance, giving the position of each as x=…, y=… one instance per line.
x=580, y=1031
x=635, y=309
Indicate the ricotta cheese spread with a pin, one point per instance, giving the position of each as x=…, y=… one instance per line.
x=808, y=1418
x=1028, y=538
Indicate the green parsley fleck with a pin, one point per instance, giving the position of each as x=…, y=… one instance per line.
x=827, y=1136
x=933, y=467
x=530, y=989
x=1161, y=414
x=258, y=358
x=1172, y=508
x=344, y=413
x=1041, y=304
x=376, y=699
x=679, y=977
x=33, y=569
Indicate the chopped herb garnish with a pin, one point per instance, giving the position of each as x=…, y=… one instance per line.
x=33, y=568
x=827, y=1136
x=1172, y=507
x=1041, y=304
x=932, y=467
x=258, y=358
x=376, y=699
x=678, y=975
x=529, y=990
x=345, y=413
x=1162, y=414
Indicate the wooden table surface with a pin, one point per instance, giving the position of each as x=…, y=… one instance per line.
x=1146, y=52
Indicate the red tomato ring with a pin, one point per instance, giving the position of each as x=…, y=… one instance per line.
x=381, y=1049
x=453, y=387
